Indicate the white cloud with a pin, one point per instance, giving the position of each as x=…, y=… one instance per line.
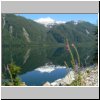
x=48, y=21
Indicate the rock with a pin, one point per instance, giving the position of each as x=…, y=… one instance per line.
x=69, y=78
x=56, y=83
x=47, y=84
x=91, y=78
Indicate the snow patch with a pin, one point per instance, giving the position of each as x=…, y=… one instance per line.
x=48, y=21
x=49, y=68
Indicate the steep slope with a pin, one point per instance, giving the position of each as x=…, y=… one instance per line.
x=19, y=30
x=77, y=33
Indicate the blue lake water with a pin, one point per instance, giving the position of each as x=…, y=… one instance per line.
x=39, y=77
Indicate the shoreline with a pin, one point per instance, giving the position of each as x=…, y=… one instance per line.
x=89, y=77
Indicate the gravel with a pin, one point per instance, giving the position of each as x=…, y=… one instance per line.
x=90, y=76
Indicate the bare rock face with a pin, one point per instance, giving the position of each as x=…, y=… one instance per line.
x=90, y=76
x=46, y=84
x=57, y=82
x=11, y=29
x=26, y=35
x=69, y=78
x=3, y=22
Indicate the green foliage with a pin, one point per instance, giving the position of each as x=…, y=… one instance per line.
x=39, y=34
x=96, y=47
x=15, y=70
x=8, y=83
x=78, y=57
x=77, y=81
x=36, y=32
x=74, y=33
x=17, y=81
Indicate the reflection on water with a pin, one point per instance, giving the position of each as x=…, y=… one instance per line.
x=26, y=56
x=32, y=58
x=43, y=74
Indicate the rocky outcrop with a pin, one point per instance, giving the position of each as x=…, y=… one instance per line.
x=89, y=77
x=26, y=35
x=3, y=22
x=47, y=84
x=58, y=82
x=68, y=79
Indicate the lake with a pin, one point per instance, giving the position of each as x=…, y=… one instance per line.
x=40, y=64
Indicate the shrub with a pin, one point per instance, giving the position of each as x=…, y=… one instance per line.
x=13, y=71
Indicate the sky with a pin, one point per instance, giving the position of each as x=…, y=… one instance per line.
x=92, y=18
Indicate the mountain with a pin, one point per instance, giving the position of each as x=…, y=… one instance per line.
x=75, y=32
x=48, y=22
x=19, y=30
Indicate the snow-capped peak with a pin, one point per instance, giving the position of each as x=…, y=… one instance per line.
x=48, y=21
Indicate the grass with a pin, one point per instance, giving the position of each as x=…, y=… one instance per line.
x=77, y=81
x=78, y=76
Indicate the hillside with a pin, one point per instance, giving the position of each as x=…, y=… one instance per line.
x=77, y=33
x=19, y=30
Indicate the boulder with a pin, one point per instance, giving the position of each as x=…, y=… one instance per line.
x=69, y=78
x=47, y=84
x=56, y=82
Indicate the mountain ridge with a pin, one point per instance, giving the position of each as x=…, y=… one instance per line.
x=25, y=31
